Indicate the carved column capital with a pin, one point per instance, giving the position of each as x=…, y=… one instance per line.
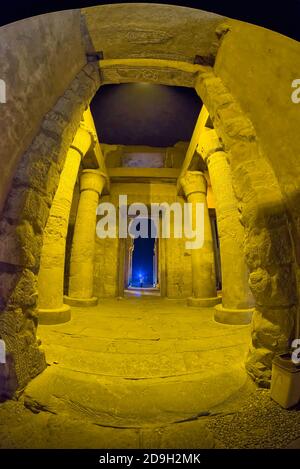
x=90, y=130
x=84, y=139
x=208, y=144
x=193, y=181
x=92, y=180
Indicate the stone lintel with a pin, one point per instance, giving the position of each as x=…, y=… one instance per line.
x=151, y=70
x=154, y=175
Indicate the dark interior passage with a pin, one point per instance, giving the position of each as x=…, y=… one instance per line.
x=143, y=259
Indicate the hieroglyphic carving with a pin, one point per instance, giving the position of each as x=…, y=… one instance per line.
x=151, y=54
x=147, y=36
x=122, y=74
x=135, y=35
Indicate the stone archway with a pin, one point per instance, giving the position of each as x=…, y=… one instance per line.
x=22, y=223
x=263, y=213
x=268, y=244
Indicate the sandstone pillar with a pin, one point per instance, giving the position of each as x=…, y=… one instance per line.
x=203, y=265
x=236, y=296
x=52, y=310
x=83, y=246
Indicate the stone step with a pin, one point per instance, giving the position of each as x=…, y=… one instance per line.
x=141, y=343
x=125, y=402
x=163, y=362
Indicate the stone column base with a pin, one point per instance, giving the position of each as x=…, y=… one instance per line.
x=204, y=302
x=54, y=316
x=81, y=301
x=233, y=316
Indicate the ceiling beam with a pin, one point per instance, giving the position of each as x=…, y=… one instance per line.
x=159, y=63
x=157, y=71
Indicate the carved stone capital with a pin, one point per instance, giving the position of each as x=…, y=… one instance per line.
x=208, y=144
x=90, y=130
x=193, y=181
x=84, y=139
x=92, y=180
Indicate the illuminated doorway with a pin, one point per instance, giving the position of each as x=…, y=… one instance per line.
x=141, y=263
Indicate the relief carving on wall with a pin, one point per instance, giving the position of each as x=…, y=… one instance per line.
x=152, y=75
x=151, y=54
x=147, y=36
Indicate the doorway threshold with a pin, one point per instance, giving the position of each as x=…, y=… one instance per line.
x=136, y=291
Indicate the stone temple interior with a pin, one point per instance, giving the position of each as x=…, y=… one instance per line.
x=125, y=342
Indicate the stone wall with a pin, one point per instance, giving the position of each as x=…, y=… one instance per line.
x=267, y=64
x=178, y=268
x=155, y=31
x=118, y=155
x=22, y=222
x=178, y=259
x=40, y=56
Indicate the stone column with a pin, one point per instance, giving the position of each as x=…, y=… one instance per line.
x=83, y=246
x=237, y=301
x=203, y=266
x=52, y=310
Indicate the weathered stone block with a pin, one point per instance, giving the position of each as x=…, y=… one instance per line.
x=12, y=321
x=26, y=203
x=265, y=247
x=25, y=292
x=40, y=173
x=275, y=288
x=8, y=281
x=272, y=329
x=19, y=245
x=259, y=365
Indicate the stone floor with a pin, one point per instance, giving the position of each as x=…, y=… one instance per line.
x=143, y=372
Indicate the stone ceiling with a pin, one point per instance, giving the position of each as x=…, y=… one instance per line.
x=152, y=31
x=160, y=116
